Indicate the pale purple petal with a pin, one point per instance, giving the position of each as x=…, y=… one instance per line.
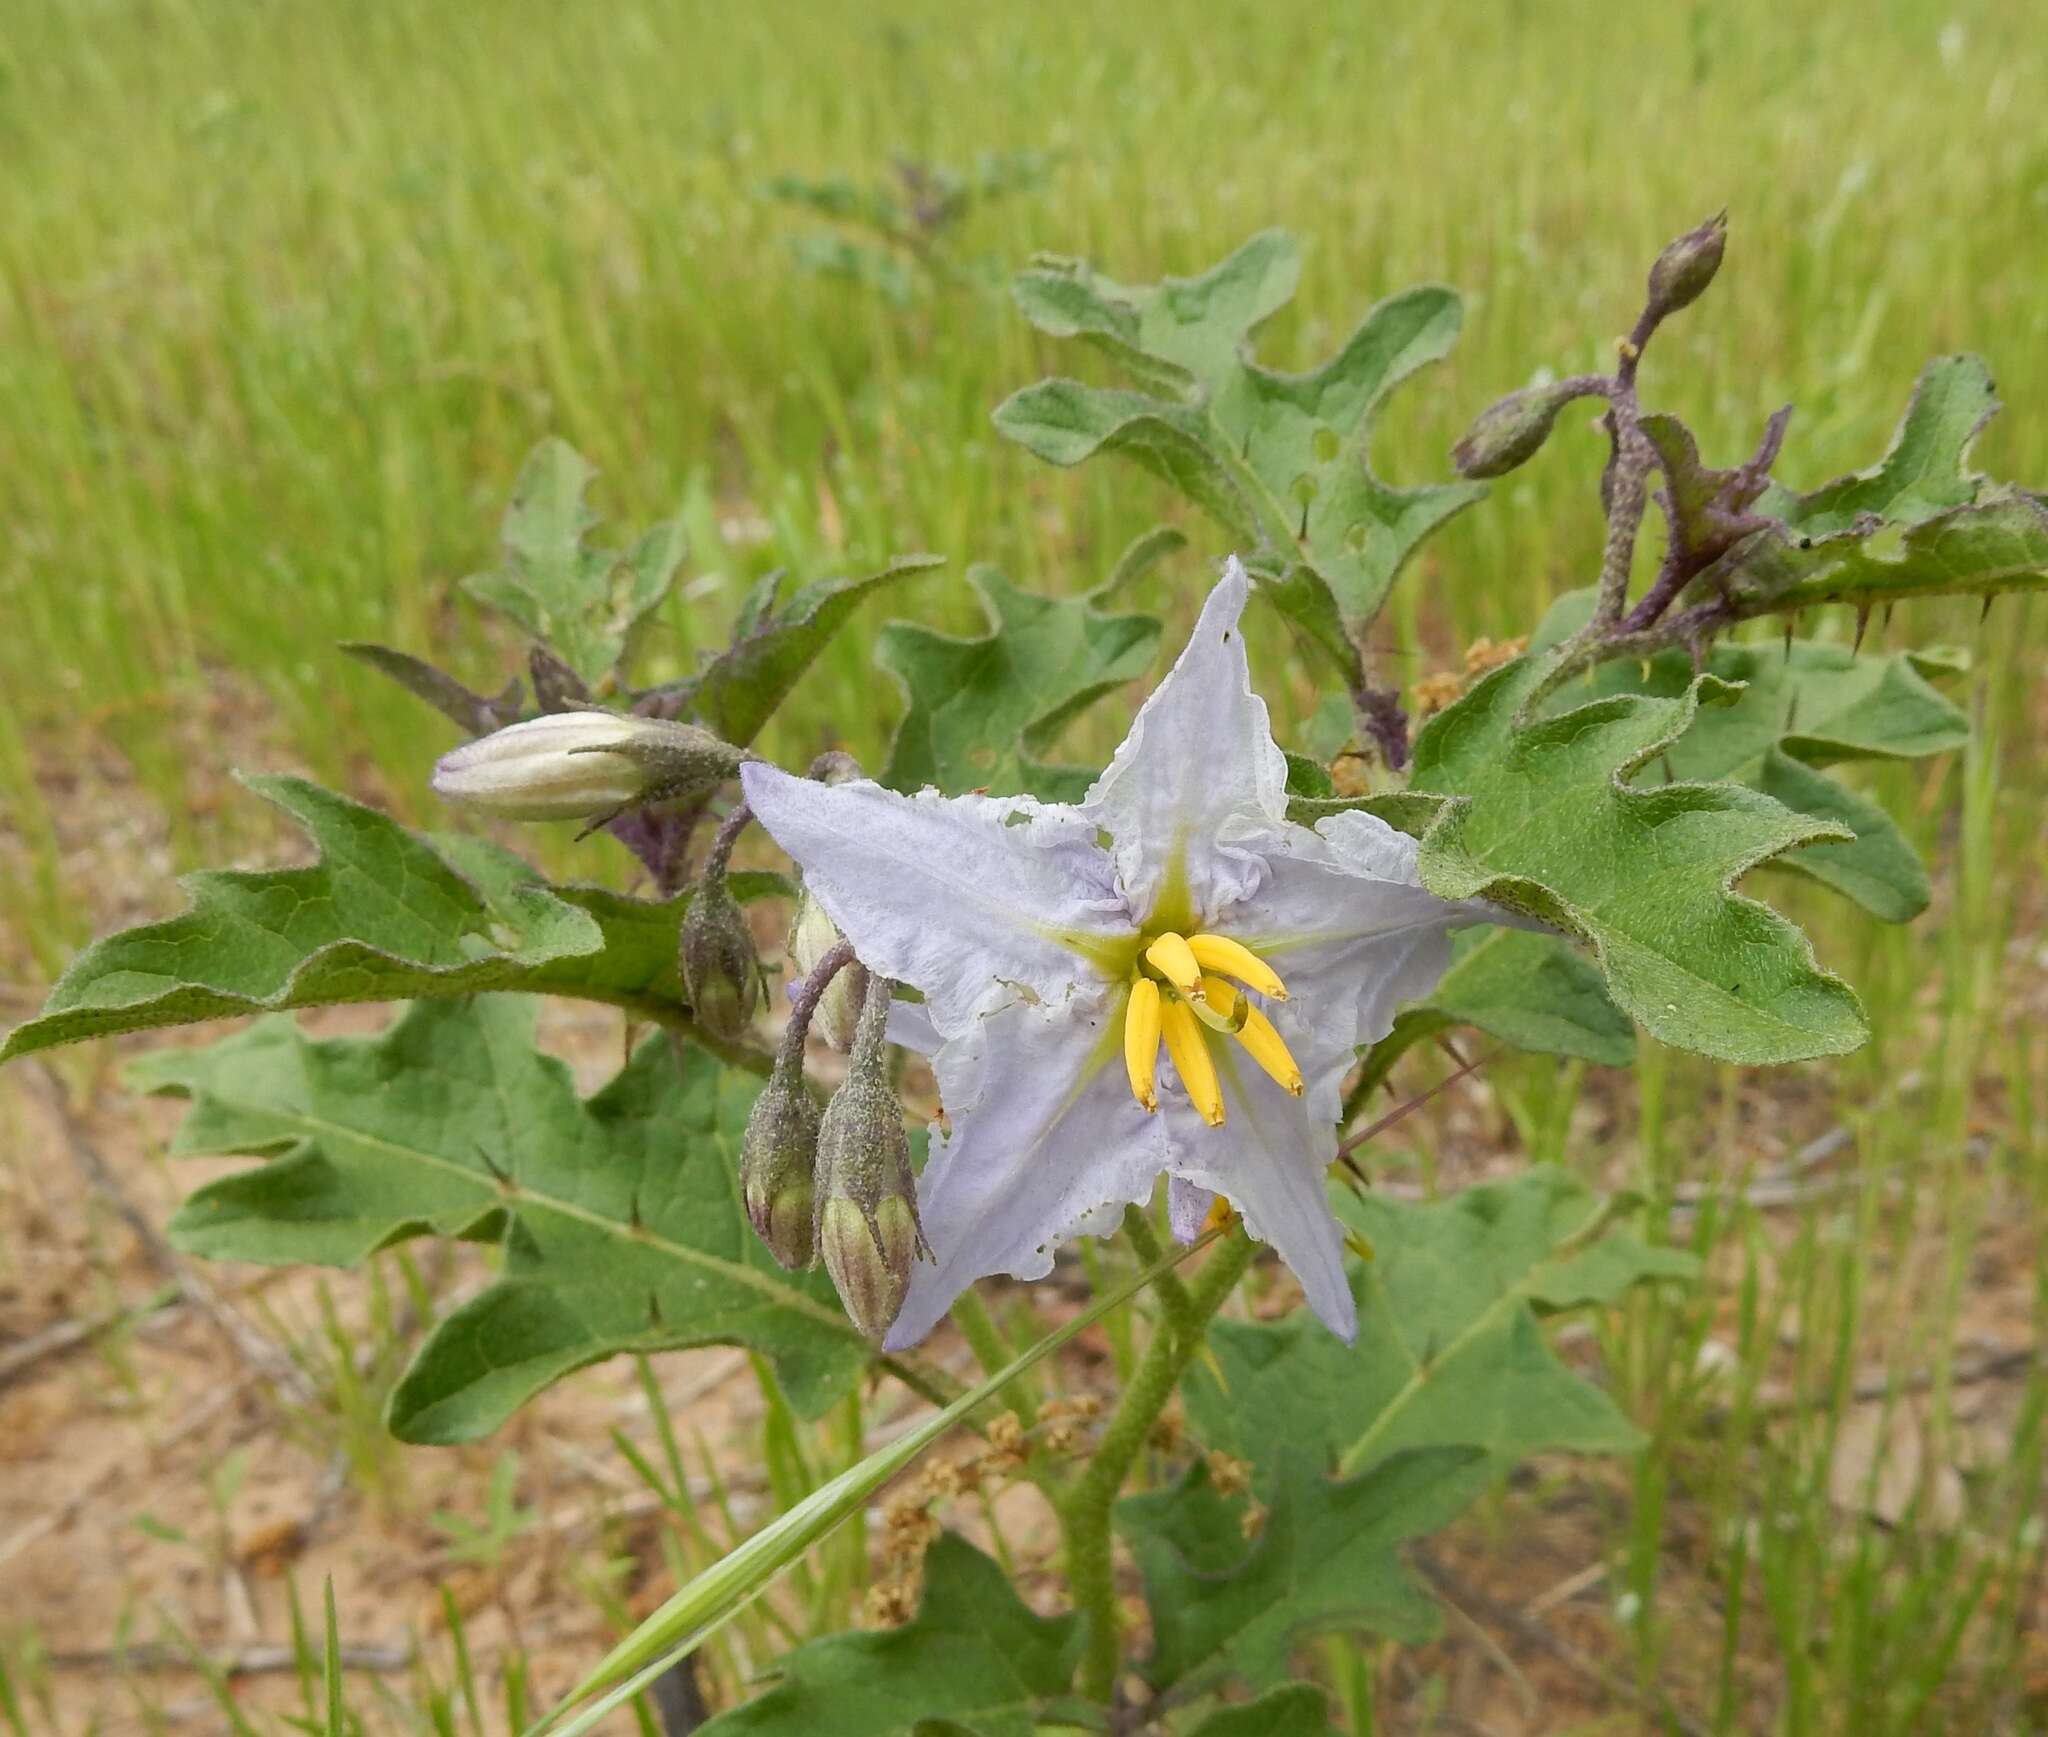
x=1044, y=1134
x=973, y=901
x=910, y=1024
x=1187, y=1208
x=1345, y=920
x=1198, y=783
x=1271, y=1158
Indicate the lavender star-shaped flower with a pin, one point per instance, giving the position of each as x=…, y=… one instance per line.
x=1060, y=948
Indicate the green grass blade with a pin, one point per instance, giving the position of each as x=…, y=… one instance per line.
x=728, y=1585
x=337, y=1714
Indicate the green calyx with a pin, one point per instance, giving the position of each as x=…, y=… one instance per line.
x=720, y=970
x=778, y=1157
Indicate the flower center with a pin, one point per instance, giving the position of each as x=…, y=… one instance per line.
x=1182, y=988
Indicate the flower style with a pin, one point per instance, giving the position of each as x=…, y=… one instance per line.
x=1059, y=948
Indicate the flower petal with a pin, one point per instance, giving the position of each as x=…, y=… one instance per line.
x=975, y=902
x=1198, y=779
x=1343, y=917
x=1187, y=1208
x=1271, y=1158
x=1044, y=1133
x=554, y=767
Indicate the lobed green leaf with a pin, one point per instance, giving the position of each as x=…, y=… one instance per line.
x=739, y=690
x=584, y=602
x=1549, y=823
x=1916, y=524
x=982, y=712
x=1450, y=1352
x=975, y=1656
x=1326, y=1557
x=619, y=1216
x=383, y=915
x=1282, y=461
x=1292, y=1710
x=1532, y=992
x=1804, y=705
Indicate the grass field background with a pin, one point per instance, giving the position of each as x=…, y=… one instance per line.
x=287, y=290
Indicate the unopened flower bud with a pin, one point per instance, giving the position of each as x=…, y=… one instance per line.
x=813, y=934
x=867, y=1226
x=777, y=1158
x=1685, y=268
x=1509, y=431
x=720, y=971
x=582, y=765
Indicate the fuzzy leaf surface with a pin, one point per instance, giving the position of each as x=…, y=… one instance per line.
x=1552, y=825
x=1805, y=706
x=1325, y=1558
x=619, y=1215
x=774, y=643
x=976, y=1658
x=982, y=712
x=1532, y=992
x=1918, y=523
x=1281, y=460
x=585, y=602
x=382, y=916
x=1450, y=1350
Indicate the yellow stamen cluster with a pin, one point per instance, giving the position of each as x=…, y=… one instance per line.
x=1182, y=984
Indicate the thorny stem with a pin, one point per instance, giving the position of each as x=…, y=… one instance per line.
x=1730, y=522
x=1627, y=484
x=1085, y=1508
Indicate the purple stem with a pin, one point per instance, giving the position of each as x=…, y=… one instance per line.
x=803, y=1003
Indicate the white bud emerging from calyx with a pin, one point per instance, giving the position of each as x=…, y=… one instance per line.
x=812, y=935
x=582, y=765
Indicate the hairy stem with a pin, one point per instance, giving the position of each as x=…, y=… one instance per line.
x=1173, y=1295
x=803, y=1002
x=1086, y=1507
x=719, y=858
x=992, y=1352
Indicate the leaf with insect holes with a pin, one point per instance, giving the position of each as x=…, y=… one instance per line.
x=1450, y=1349
x=739, y=689
x=619, y=1215
x=1280, y=460
x=1917, y=524
x=1549, y=823
x=585, y=602
x=383, y=915
x=1532, y=992
x=1325, y=1557
x=1805, y=706
x=975, y=1658
x=981, y=711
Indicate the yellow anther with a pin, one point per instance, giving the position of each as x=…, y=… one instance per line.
x=1221, y=1008
x=1192, y=1060
x=1221, y=1214
x=1235, y=959
x=1172, y=958
x=1141, y=1041
x=1255, y=1031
